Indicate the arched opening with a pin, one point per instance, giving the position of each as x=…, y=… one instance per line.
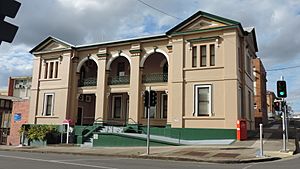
x=119, y=71
x=88, y=73
x=155, y=68
x=156, y=71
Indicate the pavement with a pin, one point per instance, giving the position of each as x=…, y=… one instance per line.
x=237, y=152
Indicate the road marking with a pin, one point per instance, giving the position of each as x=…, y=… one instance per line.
x=86, y=159
x=247, y=167
x=55, y=161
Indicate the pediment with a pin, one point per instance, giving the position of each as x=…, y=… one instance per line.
x=202, y=21
x=51, y=44
x=54, y=46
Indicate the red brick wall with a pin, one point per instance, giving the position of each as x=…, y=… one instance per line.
x=10, y=87
x=21, y=107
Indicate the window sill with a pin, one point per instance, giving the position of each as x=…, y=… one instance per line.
x=203, y=118
x=46, y=116
x=53, y=79
x=203, y=68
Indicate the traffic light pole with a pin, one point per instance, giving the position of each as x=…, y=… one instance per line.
x=286, y=122
x=148, y=122
x=283, y=127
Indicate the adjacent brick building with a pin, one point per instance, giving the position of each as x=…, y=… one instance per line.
x=270, y=104
x=5, y=116
x=260, y=91
x=19, y=90
x=19, y=116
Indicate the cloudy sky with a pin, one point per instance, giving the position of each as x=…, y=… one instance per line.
x=86, y=21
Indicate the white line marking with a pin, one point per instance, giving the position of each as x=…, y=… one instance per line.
x=54, y=161
x=86, y=159
x=247, y=166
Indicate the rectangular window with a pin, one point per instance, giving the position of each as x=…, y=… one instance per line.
x=250, y=105
x=2, y=103
x=56, y=70
x=203, y=55
x=46, y=71
x=240, y=57
x=51, y=70
x=248, y=64
x=117, y=106
x=48, y=104
x=7, y=104
x=202, y=100
x=194, y=56
x=164, y=106
x=212, y=54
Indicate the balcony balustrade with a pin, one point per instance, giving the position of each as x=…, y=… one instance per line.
x=87, y=82
x=115, y=80
x=155, y=77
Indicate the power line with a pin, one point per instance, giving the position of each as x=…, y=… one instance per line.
x=291, y=67
x=161, y=11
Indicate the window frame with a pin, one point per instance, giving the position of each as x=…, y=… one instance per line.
x=196, y=101
x=45, y=104
x=203, y=64
x=162, y=106
x=113, y=106
x=212, y=54
x=194, y=55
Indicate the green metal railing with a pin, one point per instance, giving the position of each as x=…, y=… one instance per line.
x=155, y=77
x=87, y=82
x=115, y=80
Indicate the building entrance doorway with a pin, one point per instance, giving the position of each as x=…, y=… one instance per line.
x=86, y=109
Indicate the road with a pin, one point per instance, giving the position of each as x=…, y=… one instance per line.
x=23, y=160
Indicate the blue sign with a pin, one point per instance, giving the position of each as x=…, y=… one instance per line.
x=17, y=117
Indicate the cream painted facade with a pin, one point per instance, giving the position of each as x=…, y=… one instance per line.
x=201, y=70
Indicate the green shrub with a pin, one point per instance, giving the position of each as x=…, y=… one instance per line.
x=39, y=132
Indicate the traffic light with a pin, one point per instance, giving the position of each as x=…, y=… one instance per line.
x=153, y=97
x=281, y=89
x=277, y=105
x=8, y=8
x=146, y=98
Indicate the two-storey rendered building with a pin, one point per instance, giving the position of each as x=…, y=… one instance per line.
x=201, y=70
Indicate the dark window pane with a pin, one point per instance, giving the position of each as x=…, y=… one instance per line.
x=212, y=55
x=194, y=56
x=203, y=55
x=203, y=101
x=49, y=99
x=117, y=107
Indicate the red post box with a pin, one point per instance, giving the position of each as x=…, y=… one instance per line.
x=241, y=129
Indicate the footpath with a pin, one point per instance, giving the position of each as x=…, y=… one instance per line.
x=237, y=152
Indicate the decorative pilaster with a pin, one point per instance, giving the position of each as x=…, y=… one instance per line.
x=101, y=88
x=135, y=81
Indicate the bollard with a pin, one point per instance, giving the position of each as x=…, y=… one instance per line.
x=261, y=154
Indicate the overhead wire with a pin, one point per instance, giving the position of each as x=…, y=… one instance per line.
x=283, y=68
x=161, y=11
